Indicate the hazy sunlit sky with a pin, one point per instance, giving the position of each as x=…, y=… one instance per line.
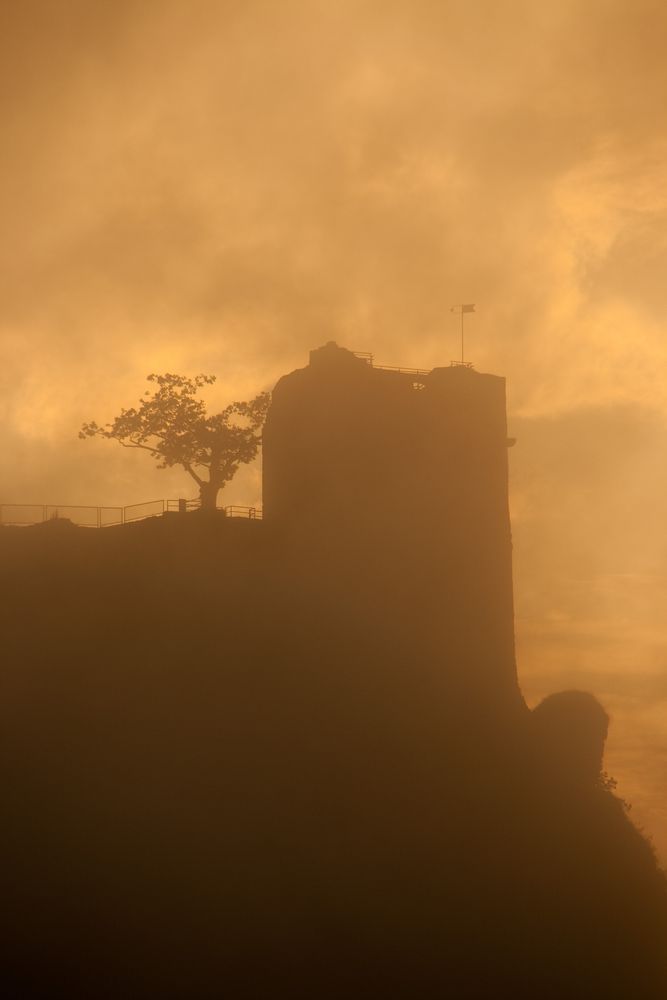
x=221, y=186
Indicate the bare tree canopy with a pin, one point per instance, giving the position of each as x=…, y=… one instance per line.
x=171, y=424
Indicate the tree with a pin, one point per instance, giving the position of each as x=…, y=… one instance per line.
x=172, y=425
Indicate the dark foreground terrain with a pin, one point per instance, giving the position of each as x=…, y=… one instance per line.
x=235, y=765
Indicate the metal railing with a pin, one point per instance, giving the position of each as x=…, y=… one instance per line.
x=370, y=361
x=17, y=514
x=140, y=511
x=402, y=371
x=252, y=513
x=85, y=516
x=368, y=358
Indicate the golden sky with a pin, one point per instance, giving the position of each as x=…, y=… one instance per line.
x=221, y=185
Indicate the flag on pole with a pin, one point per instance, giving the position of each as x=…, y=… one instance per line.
x=461, y=309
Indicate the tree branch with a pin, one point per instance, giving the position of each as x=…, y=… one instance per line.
x=197, y=479
x=144, y=447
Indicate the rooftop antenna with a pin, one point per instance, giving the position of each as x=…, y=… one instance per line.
x=463, y=308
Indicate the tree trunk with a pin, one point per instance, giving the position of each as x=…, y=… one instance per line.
x=208, y=495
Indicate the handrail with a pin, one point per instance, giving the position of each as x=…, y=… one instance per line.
x=402, y=371
x=235, y=510
x=87, y=516
x=369, y=359
x=135, y=516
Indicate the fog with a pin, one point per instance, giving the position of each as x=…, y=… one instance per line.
x=221, y=186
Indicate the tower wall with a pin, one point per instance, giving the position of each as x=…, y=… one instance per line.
x=396, y=486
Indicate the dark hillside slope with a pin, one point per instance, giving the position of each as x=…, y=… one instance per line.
x=232, y=768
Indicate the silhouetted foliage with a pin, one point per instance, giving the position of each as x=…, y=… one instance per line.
x=571, y=728
x=173, y=426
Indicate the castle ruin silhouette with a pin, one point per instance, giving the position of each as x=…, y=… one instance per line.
x=290, y=757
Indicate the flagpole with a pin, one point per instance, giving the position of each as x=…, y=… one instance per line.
x=462, y=362
x=463, y=308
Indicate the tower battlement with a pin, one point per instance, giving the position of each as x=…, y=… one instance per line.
x=343, y=432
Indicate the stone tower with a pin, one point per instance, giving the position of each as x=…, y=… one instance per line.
x=396, y=481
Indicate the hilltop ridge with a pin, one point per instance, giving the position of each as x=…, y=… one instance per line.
x=291, y=757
